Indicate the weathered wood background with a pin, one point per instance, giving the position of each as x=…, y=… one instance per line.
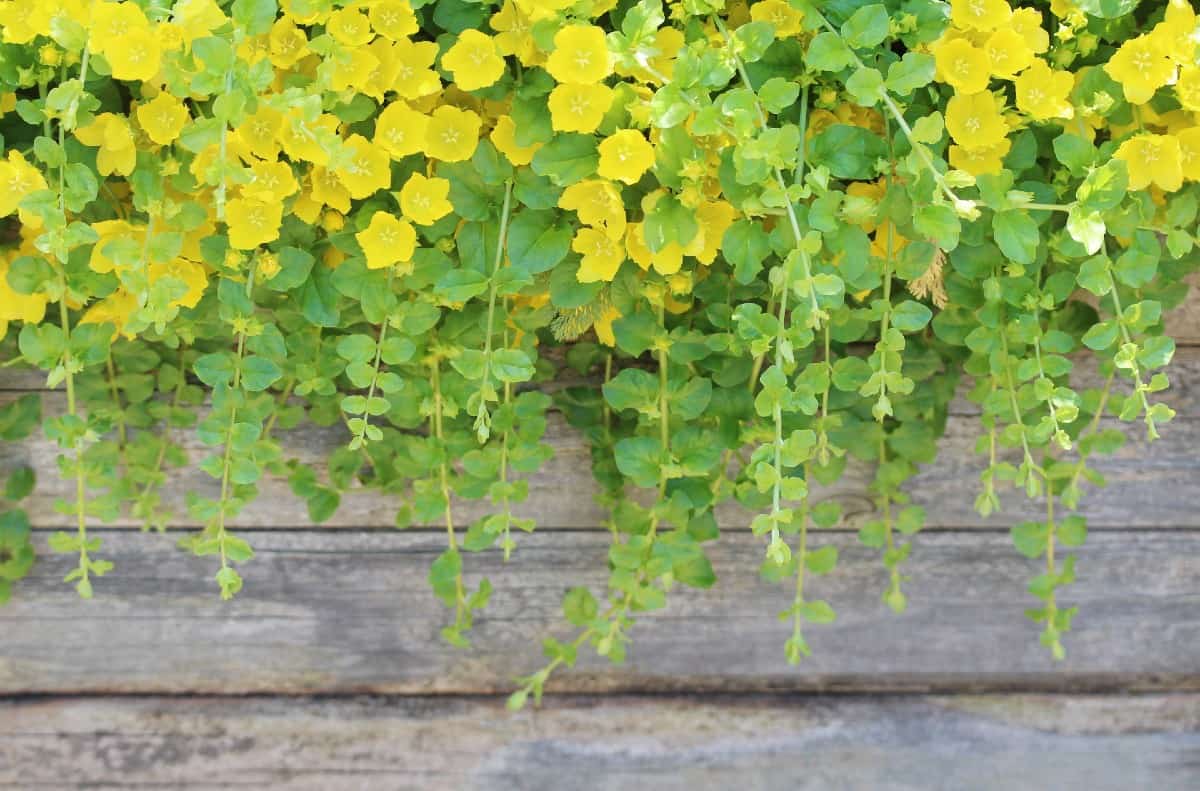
x=327, y=672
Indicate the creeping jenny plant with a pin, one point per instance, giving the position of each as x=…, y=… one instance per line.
x=770, y=236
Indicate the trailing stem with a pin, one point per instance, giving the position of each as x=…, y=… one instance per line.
x=486, y=391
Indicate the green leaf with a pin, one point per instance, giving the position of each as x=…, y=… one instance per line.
x=1108, y=9
x=865, y=86
x=778, y=94
x=746, y=245
x=669, y=221
x=866, y=27
x=537, y=240
x=1072, y=531
x=637, y=332
x=318, y=298
x=19, y=418
x=259, y=373
x=567, y=158
x=632, y=388
x=1030, y=538
x=29, y=275
x=294, y=268
x=817, y=611
x=255, y=17
x=20, y=483
x=910, y=316
x=915, y=70
x=821, y=561
x=1094, y=276
x=1102, y=335
x=580, y=607
x=1017, y=235
x=1074, y=152
x=512, y=365
x=827, y=52
x=849, y=152
x=460, y=285
x=1104, y=187
x=639, y=459
x=215, y=369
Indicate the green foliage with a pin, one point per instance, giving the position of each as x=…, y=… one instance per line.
x=767, y=258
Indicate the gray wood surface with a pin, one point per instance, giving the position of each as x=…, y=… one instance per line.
x=1151, y=486
x=705, y=701
x=350, y=611
x=991, y=743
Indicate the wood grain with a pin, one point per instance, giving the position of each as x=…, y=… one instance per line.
x=1150, y=486
x=1007, y=743
x=338, y=612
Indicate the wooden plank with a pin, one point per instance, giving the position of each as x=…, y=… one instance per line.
x=620, y=744
x=349, y=611
x=1149, y=485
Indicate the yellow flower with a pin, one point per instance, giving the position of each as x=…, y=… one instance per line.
x=351, y=68
x=504, y=139
x=601, y=256
x=963, y=65
x=981, y=15
x=513, y=34
x=302, y=139
x=625, y=156
x=367, y=167
x=252, y=222
x=666, y=261
x=1027, y=23
x=1141, y=66
x=714, y=217
x=401, y=130
x=474, y=61
x=191, y=273
x=287, y=44
x=349, y=27
x=110, y=230
x=579, y=108
x=111, y=133
x=424, y=200
x=387, y=241
x=393, y=19
x=580, y=55
x=1189, y=152
x=271, y=181
x=1044, y=93
x=1153, y=159
x=137, y=57
x=975, y=121
x=115, y=309
x=1176, y=34
x=414, y=77
x=328, y=189
x=29, y=308
x=543, y=9
x=111, y=23
x=268, y=266
x=452, y=134
x=260, y=132
x=163, y=118
x=780, y=14
x=1008, y=52
x=980, y=161
x=18, y=178
x=667, y=42
x=597, y=203
x=1187, y=88
x=603, y=326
